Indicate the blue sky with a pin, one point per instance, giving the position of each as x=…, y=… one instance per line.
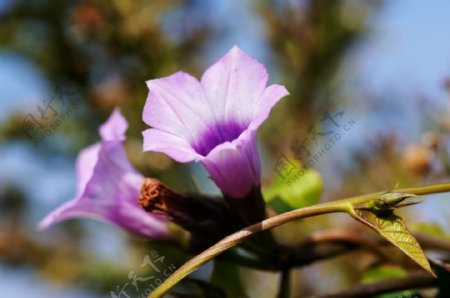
x=409, y=47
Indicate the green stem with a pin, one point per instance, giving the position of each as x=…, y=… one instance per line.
x=345, y=205
x=239, y=237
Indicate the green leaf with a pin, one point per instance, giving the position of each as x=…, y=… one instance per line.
x=381, y=273
x=387, y=272
x=294, y=189
x=226, y=276
x=431, y=229
x=393, y=228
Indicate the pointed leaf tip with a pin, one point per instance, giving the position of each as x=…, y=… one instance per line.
x=393, y=228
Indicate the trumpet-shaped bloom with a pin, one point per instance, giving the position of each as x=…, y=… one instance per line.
x=213, y=121
x=108, y=186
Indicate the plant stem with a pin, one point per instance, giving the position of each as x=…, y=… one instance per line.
x=240, y=236
x=232, y=240
x=348, y=239
x=285, y=284
x=415, y=280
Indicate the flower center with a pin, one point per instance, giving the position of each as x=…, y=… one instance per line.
x=218, y=134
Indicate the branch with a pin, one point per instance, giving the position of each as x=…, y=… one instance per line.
x=345, y=205
x=350, y=240
x=414, y=280
x=317, y=247
x=307, y=251
x=433, y=242
x=239, y=237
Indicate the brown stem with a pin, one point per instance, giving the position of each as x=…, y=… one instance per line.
x=309, y=250
x=433, y=242
x=416, y=280
x=352, y=239
x=346, y=205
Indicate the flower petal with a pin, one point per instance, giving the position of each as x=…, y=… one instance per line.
x=234, y=166
x=84, y=166
x=175, y=147
x=177, y=104
x=234, y=85
x=139, y=221
x=111, y=195
x=109, y=186
x=270, y=97
x=63, y=212
x=113, y=173
x=215, y=121
x=114, y=128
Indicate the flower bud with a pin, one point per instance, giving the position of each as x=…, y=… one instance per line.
x=207, y=219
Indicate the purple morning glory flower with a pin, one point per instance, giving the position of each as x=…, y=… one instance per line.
x=108, y=186
x=213, y=121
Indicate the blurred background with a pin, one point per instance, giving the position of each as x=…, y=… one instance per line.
x=380, y=67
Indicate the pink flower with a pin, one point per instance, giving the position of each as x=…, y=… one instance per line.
x=108, y=186
x=213, y=121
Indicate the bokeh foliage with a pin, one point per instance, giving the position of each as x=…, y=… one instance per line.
x=123, y=43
